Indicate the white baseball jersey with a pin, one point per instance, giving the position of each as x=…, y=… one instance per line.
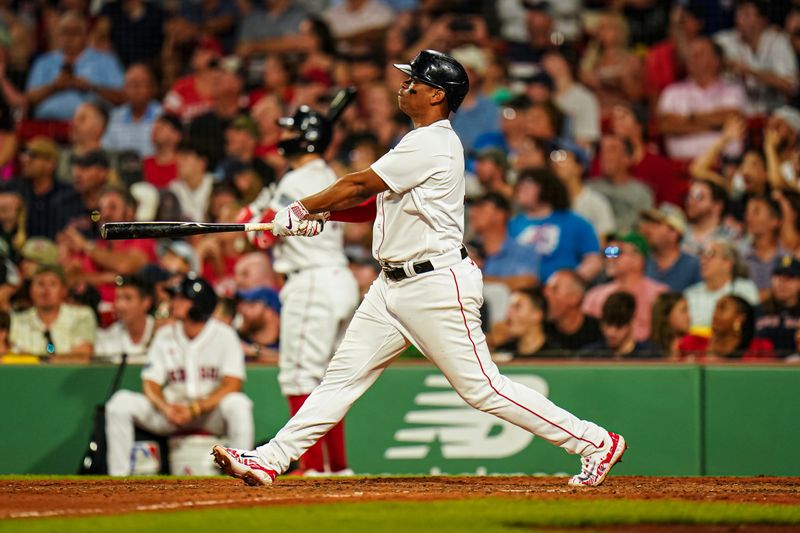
x=422, y=215
x=115, y=340
x=190, y=369
x=325, y=249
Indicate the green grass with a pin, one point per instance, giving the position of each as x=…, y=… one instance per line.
x=483, y=515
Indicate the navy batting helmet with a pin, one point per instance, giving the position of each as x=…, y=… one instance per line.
x=200, y=292
x=441, y=71
x=315, y=130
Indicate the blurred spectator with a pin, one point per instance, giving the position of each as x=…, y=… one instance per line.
x=513, y=128
x=491, y=168
x=505, y=260
x=213, y=18
x=761, y=250
x=178, y=257
x=266, y=113
x=478, y=113
x=625, y=262
x=561, y=238
x=663, y=229
x=136, y=29
x=162, y=167
x=271, y=29
x=567, y=325
x=732, y=335
x=648, y=165
x=789, y=202
x=193, y=95
x=5, y=324
x=570, y=163
x=52, y=327
x=723, y=273
x=59, y=81
x=671, y=322
x=705, y=205
x=617, y=325
x=665, y=62
x=37, y=252
x=49, y=204
x=358, y=22
x=132, y=332
x=539, y=25
x=207, y=130
x=608, y=68
x=778, y=318
x=99, y=262
x=241, y=141
x=91, y=175
x=218, y=253
x=12, y=221
x=130, y=126
x=254, y=270
x=760, y=57
x=86, y=133
x=623, y=191
x=523, y=333
x=578, y=102
x=260, y=327
x=692, y=112
x=545, y=121
x=194, y=182
x=363, y=266
x=781, y=147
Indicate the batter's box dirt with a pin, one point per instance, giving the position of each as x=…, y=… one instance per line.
x=82, y=497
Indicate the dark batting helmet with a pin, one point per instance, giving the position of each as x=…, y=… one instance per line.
x=441, y=71
x=200, y=292
x=315, y=132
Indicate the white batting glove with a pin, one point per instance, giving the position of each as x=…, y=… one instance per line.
x=309, y=228
x=287, y=221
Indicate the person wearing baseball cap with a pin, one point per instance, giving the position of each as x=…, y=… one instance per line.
x=663, y=229
x=241, y=142
x=571, y=164
x=259, y=331
x=625, y=258
x=491, y=169
x=778, y=317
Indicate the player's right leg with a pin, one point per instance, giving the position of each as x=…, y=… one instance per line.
x=124, y=411
x=371, y=342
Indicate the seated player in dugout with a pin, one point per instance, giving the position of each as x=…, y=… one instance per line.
x=429, y=292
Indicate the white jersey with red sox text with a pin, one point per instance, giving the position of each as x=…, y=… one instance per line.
x=190, y=369
x=325, y=249
x=422, y=215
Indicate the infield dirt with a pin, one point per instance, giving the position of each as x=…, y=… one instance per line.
x=86, y=497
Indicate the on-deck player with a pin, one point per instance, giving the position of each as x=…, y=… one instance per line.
x=320, y=294
x=429, y=292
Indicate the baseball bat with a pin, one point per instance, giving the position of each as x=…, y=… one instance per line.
x=340, y=102
x=166, y=230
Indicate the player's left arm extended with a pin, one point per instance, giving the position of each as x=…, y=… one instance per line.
x=210, y=402
x=348, y=191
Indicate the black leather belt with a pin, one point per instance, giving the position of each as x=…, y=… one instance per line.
x=420, y=267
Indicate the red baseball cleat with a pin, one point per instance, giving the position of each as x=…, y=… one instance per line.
x=243, y=464
x=595, y=467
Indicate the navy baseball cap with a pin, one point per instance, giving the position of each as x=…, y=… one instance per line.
x=788, y=265
x=577, y=151
x=267, y=295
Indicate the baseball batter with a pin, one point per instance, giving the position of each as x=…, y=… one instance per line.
x=429, y=292
x=193, y=380
x=320, y=294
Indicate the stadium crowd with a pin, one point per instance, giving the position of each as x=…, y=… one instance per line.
x=632, y=179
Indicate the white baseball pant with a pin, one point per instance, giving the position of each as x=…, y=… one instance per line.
x=127, y=409
x=439, y=313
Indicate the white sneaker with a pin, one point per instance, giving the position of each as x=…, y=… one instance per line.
x=243, y=464
x=595, y=467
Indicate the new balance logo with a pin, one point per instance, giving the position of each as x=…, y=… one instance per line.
x=461, y=431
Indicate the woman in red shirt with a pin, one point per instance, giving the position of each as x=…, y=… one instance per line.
x=732, y=335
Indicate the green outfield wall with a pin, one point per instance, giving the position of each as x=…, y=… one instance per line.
x=678, y=419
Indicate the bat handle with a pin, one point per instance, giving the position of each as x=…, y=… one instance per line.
x=260, y=226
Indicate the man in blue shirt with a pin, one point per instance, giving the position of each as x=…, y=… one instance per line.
x=504, y=260
x=663, y=229
x=61, y=80
x=130, y=126
x=563, y=239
